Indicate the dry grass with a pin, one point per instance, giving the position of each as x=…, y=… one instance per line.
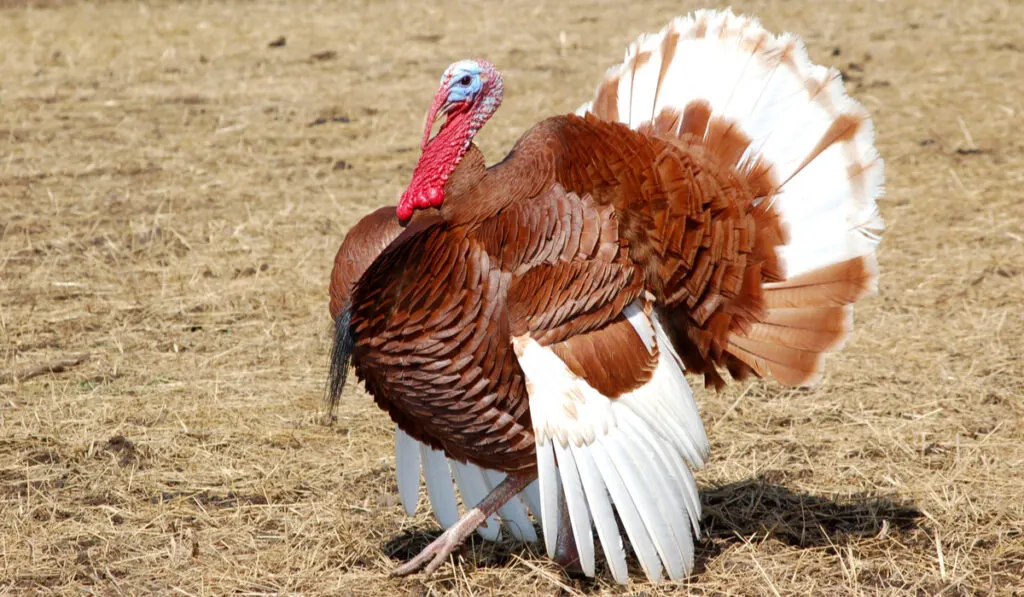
x=166, y=207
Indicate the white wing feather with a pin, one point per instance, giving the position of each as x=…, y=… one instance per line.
x=576, y=501
x=604, y=519
x=550, y=488
x=440, y=490
x=642, y=544
x=611, y=444
x=407, y=469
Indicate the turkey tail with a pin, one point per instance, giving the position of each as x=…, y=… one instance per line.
x=341, y=356
x=805, y=317
x=804, y=150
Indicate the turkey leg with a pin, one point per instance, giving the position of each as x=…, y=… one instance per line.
x=566, y=554
x=433, y=555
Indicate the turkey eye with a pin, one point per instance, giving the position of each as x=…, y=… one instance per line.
x=466, y=80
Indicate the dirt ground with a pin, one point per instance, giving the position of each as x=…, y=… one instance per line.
x=176, y=177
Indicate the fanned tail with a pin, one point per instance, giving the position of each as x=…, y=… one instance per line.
x=805, y=151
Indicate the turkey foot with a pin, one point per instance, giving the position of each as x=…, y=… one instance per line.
x=433, y=555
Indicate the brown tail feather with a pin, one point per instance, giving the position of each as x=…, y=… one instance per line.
x=716, y=267
x=806, y=316
x=831, y=319
x=839, y=284
x=770, y=325
x=789, y=366
x=721, y=236
x=817, y=340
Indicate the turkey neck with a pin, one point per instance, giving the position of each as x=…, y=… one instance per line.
x=474, y=192
x=466, y=199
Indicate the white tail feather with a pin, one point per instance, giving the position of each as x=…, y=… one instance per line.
x=796, y=114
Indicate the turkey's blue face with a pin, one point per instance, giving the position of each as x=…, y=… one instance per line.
x=463, y=80
x=469, y=92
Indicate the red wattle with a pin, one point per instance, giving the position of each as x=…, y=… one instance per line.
x=432, y=198
x=404, y=211
x=413, y=200
x=437, y=162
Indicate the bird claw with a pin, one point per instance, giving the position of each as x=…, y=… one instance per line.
x=433, y=555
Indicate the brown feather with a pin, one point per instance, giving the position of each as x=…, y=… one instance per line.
x=434, y=314
x=362, y=244
x=612, y=359
x=836, y=285
x=581, y=218
x=684, y=207
x=815, y=330
x=789, y=366
x=606, y=105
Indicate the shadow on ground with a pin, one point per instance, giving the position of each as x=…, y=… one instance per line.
x=750, y=510
x=757, y=508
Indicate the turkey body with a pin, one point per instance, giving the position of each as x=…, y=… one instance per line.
x=710, y=211
x=554, y=241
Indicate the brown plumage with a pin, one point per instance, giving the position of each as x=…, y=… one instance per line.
x=510, y=256
x=587, y=239
x=439, y=352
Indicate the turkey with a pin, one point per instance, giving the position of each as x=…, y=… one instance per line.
x=529, y=326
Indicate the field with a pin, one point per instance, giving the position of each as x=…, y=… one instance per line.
x=175, y=178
